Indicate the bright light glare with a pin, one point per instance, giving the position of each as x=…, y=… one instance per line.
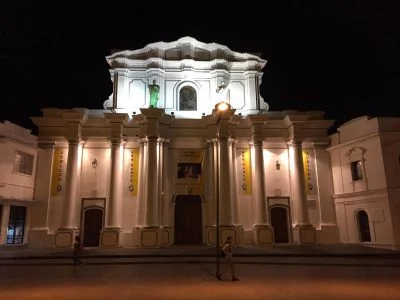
x=222, y=106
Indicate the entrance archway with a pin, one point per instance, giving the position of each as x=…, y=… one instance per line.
x=279, y=221
x=92, y=226
x=363, y=226
x=188, y=220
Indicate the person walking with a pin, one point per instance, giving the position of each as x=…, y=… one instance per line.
x=228, y=260
x=78, y=247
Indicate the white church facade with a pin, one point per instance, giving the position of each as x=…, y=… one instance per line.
x=160, y=165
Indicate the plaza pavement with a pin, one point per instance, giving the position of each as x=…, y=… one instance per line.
x=332, y=254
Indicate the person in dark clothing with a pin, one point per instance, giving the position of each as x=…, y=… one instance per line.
x=78, y=246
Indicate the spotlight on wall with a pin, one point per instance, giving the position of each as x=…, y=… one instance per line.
x=94, y=163
x=278, y=165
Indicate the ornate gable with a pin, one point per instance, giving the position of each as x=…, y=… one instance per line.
x=186, y=48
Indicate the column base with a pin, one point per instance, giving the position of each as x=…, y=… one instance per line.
x=150, y=236
x=328, y=234
x=65, y=238
x=166, y=236
x=304, y=234
x=236, y=232
x=40, y=238
x=110, y=237
x=263, y=234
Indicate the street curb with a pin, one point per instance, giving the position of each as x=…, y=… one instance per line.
x=114, y=256
x=333, y=264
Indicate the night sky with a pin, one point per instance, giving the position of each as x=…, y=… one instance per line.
x=338, y=56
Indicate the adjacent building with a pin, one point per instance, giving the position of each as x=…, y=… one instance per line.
x=18, y=158
x=365, y=158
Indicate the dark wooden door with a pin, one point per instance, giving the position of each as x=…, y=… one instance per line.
x=188, y=220
x=279, y=222
x=93, y=219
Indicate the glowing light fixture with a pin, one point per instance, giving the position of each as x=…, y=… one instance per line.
x=94, y=163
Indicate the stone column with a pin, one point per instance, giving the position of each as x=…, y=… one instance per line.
x=150, y=231
x=225, y=200
x=263, y=233
x=328, y=229
x=66, y=233
x=4, y=223
x=141, y=185
x=141, y=195
x=151, y=217
x=234, y=184
x=304, y=232
x=166, y=195
x=110, y=235
x=210, y=193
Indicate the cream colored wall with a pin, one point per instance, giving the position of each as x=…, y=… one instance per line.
x=276, y=181
x=47, y=210
x=16, y=186
x=391, y=158
x=374, y=173
x=95, y=181
x=378, y=211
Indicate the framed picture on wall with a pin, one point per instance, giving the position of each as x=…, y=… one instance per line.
x=189, y=170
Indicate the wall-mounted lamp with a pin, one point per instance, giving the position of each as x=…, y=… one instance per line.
x=277, y=165
x=94, y=163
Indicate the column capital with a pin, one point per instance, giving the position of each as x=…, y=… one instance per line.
x=295, y=143
x=256, y=142
x=151, y=139
x=74, y=141
x=44, y=145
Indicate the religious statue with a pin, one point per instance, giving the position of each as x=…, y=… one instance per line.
x=223, y=91
x=154, y=90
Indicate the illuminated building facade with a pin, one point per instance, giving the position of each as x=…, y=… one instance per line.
x=142, y=170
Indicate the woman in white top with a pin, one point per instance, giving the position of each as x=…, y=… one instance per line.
x=227, y=249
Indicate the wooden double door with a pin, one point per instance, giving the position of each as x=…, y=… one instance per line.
x=92, y=226
x=188, y=220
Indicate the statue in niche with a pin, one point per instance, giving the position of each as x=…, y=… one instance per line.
x=154, y=90
x=223, y=92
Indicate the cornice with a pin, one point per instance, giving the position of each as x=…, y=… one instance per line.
x=183, y=53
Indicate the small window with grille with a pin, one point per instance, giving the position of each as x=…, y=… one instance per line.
x=23, y=163
x=356, y=170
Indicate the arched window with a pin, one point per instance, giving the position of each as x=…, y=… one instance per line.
x=363, y=226
x=187, y=99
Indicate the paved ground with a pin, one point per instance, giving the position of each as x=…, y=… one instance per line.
x=197, y=281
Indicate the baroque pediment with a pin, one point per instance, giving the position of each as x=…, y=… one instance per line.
x=187, y=48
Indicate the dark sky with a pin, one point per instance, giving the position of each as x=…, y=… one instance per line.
x=338, y=56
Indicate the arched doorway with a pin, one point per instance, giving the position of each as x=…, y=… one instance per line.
x=92, y=226
x=188, y=220
x=363, y=226
x=279, y=221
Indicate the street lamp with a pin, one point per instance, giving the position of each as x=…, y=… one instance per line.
x=219, y=108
